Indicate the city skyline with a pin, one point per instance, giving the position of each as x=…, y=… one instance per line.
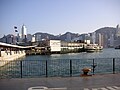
x=58, y=16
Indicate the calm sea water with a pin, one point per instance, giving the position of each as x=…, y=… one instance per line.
x=105, y=53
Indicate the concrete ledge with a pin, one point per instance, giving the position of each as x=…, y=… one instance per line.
x=7, y=58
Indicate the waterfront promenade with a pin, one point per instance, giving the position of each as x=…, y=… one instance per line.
x=95, y=82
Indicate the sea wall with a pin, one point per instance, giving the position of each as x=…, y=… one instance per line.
x=10, y=56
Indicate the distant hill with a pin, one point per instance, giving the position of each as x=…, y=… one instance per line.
x=106, y=30
x=107, y=34
x=60, y=37
x=64, y=36
x=46, y=35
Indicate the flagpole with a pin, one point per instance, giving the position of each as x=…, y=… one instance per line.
x=15, y=31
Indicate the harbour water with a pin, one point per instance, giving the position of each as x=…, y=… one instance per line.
x=105, y=53
x=70, y=64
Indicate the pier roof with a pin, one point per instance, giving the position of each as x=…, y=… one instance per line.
x=10, y=45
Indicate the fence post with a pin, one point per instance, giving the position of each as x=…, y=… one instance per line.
x=21, y=69
x=94, y=65
x=70, y=68
x=46, y=69
x=113, y=65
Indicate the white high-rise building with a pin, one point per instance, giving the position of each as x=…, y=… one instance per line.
x=23, y=32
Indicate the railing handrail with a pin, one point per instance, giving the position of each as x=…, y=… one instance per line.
x=62, y=59
x=69, y=67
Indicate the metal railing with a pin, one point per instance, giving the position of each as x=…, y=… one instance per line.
x=60, y=68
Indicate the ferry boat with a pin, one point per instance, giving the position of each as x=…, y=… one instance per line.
x=93, y=47
x=117, y=47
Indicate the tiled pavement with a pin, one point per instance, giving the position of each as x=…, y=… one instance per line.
x=104, y=88
x=100, y=88
x=96, y=82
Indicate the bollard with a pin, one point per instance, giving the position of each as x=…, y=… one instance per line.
x=85, y=71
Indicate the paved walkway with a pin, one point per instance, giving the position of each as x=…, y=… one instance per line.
x=96, y=82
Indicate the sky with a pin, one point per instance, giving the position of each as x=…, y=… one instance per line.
x=58, y=16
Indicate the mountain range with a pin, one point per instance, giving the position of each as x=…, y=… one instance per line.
x=68, y=35
x=105, y=30
x=57, y=37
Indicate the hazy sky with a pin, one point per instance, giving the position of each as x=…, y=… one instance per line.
x=58, y=16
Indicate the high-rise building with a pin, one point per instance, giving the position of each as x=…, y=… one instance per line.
x=85, y=37
x=93, y=37
x=100, y=40
x=29, y=37
x=112, y=40
x=33, y=38
x=38, y=37
x=8, y=39
x=23, y=32
x=118, y=30
x=18, y=38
